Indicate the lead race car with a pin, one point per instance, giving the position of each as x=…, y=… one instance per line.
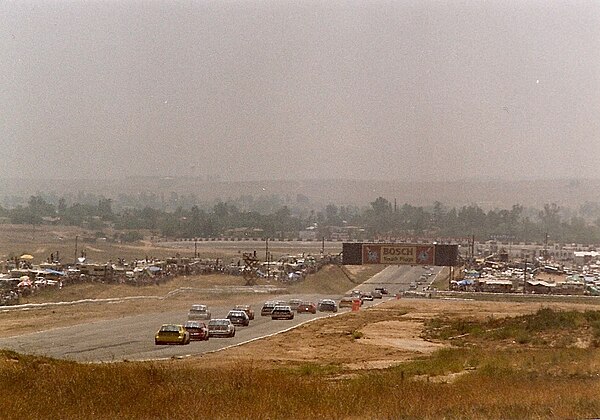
x=172, y=334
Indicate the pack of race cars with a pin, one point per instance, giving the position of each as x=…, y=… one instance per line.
x=241, y=315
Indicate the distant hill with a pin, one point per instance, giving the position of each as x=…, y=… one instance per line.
x=486, y=194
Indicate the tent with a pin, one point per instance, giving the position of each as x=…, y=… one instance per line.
x=26, y=257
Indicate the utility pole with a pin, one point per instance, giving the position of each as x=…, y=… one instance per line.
x=267, y=258
x=195, y=247
x=471, y=252
x=76, y=237
x=323, y=246
x=525, y=276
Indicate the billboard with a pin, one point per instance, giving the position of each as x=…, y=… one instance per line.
x=400, y=253
x=397, y=254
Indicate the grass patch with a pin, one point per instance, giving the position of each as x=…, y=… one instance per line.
x=315, y=369
x=443, y=361
x=545, y=327
x=356, y=334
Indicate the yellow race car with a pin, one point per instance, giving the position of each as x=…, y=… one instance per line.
x=172, y=334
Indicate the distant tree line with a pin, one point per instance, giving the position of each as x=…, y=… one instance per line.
x=380, y=219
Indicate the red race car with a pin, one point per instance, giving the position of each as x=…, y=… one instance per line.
x=198, y=330
x=305, y=307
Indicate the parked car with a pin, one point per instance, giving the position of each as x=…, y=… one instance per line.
x=172, y=334
x=383, y=290
x=376, y=294
x=238, y=318
x=246, y=308
x=221, y=328
x=198, y=330
x=282, y=312
x=293, y=303
x=267, y=308
x=307, y=307
x=198, y=312
x=327, y=305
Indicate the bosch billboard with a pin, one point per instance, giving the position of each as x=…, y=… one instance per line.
x=402, y=254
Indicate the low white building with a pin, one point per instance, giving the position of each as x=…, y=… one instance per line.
x=584, y=257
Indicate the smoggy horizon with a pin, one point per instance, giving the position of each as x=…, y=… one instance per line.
x=249, y=90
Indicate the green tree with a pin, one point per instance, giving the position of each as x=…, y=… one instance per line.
x=379, y=218
x=551, y=221
x=332, y=216
x=105, y=209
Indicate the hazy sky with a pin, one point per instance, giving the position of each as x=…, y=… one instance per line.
x=407, y=90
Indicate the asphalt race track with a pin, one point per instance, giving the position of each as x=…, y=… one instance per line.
x=132, y=337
